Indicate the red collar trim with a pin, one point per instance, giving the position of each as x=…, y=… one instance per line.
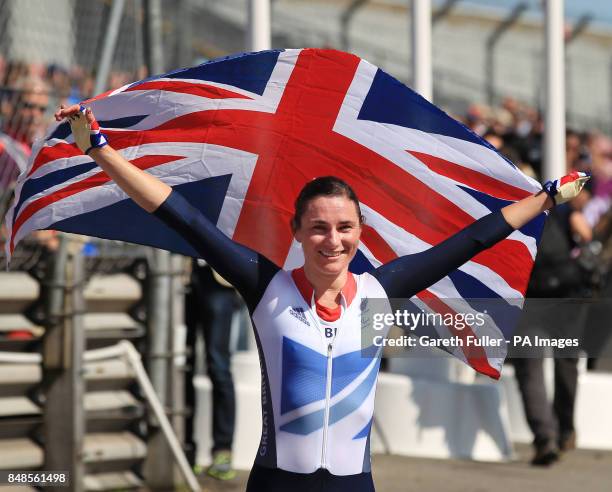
x=329, y=314
x=348, y=291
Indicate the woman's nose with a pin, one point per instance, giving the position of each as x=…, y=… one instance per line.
x=333, y=238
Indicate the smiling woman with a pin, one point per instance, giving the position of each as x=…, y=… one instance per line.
x=317, y=388
x=327, y=223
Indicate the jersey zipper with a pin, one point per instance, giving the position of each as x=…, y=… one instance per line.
x=328, y=384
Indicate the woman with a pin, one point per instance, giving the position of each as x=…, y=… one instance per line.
x=317, y=390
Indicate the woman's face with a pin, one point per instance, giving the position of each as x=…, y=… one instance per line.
x=329, y=233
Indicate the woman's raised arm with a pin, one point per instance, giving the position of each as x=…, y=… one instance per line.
x=244, y=268
x=146, y=190
x=410, y=274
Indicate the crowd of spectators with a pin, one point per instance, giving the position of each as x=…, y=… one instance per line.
x=29, y=95
x=53, y=85
x=517, y=131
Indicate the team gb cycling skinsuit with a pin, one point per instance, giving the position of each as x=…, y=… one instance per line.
x=317, y=389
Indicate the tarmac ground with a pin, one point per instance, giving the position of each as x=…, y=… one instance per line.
x=579, y=470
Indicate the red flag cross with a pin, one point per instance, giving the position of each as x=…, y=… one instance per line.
x=297, y=143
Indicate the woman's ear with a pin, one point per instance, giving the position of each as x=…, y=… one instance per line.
x=295, y=230
x=298, y=235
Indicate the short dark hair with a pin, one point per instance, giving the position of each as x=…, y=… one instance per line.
x=323, y=186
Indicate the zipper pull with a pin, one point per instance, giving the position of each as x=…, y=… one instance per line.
x=329, y=349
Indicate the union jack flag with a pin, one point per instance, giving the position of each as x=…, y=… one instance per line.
x=240, y=136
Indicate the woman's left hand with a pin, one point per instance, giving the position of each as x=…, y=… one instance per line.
x=553, y=193
x=564, y=189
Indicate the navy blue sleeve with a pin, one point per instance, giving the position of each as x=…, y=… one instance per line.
x=408, y=275
x=248, y=271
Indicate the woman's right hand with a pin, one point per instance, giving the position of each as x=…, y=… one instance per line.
x=66, y=112
x=85, y=128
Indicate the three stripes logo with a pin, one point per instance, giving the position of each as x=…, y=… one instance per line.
x=298, y=312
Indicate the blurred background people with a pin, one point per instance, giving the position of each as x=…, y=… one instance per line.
x=24, y=110
x=23, y=105
x=556, y=274
x=210, y=308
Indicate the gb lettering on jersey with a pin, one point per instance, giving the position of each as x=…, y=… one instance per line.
x=330, y=331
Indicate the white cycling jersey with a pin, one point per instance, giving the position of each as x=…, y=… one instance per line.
x=318, y=388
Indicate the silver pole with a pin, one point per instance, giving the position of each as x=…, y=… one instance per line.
x=63, y=347
x=184, y=14
x=421, y=48
x=153, y=37
x=159, y=470
x=159, y=307
x=177, y=346
x=259, y=35
x=110, y=42
x=554, y=131
x=159, y=334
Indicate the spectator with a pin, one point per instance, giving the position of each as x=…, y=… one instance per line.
x=24, y=114
x=210, y=307
x=556, y=274
x=23, y=121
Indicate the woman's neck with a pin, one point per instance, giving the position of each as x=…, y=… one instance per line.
x=327, y=288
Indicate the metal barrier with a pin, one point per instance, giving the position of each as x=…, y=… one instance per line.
x=108, y=446
x=89, y=294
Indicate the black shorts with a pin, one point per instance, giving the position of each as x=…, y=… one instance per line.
x=264, y=479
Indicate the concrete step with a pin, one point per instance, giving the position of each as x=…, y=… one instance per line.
x=121, y=446
x=20, y=454
x=112, y=293
x=112, y=481
x=18, y=322
x=101, y=401
x=111, y=326
x=108, y=369
x=18, y=380
x=11, y=406
x=17, y=291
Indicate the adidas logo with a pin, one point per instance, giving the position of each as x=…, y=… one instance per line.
x=298, y=312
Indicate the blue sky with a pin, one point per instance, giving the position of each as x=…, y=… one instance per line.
x=601, y=10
